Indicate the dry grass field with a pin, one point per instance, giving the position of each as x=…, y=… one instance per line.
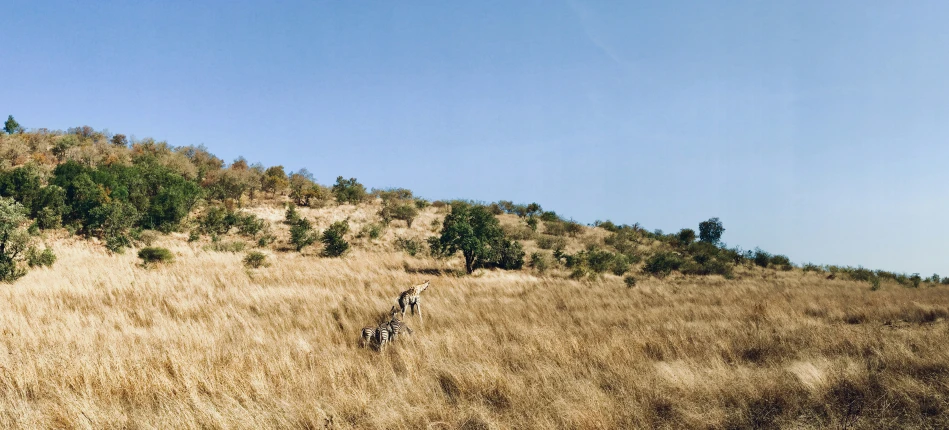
x=99, y=342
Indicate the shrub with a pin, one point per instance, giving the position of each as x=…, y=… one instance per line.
x=147, y=237
x=811, y=267
x=333, y=243
x=372, y=231
x=532, y=223
x=711, y=231
x=874, y=283
x=34, y=258
x=539, y=262
x=155, y=255
x=555, y=228
x=549, y=216
x=404, y=212
x=761, y=258
x=551, y=242
x=274, y=180
x=229, y=246
x=630, y=281
x=518, y=232
x=409, y=245
x=249, y=224
x=291, y=217
x=620, y=265
x=349, y=191
x=686, y=236
x=510, y=255
x=217, y=220
x=573, y=228
x=662, y=264
x=255, y=259
x=301, y=234
x=914, y=280
x=781, y=261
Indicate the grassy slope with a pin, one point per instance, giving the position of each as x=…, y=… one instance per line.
x=98, y=342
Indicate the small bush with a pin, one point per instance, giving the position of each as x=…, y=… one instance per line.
x=761, y=258
x=518, y=232
x=333, y=243
x=662, y=264
x=349, y=191
x=255, y=259
x=249, y=224
x=551, y=242
x=630, y=281
x=404, y=212
x=874, y=283
x=421, y=204
x=34, y=258
x=230, y=246
x=555, y=228
x=914, y=280
x=148, y=237
x=781, y=261
x=510, y=255
x=292, y=216
x=811, y=267
x=409, y=245
x=372, y=231
x=301, y=234
x=194, y=236
x=539, y=262
x=155, y=255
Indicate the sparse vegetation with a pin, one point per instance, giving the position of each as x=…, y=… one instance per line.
x=255, y=259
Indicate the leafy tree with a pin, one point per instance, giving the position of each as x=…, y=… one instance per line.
x=333, y=243
x=474, y=231
x=301, y=234
x=662, y=263
x=761, y=258
x=274, y=180
x=113, y=222
x=120, y=140
x=711, y=231
x=349, y=191
x=686, y=236
x=401, y=211
x=14, y=240
x=11, y=126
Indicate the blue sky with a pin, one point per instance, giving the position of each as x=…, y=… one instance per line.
x=814, y=129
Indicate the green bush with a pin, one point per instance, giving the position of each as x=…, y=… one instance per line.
x=291, y=217
x=811, y=267
x=630, y=281
x=409, y=245
x=539, y=262
x=249, y=224
x=662, y=264
x=255, y=259
x=551, y=242
x=421, y=204
x=686, y=236
x=518, y=232
x=34, y=258
x=301, y=234
x=761, y=258
x=781, y=261
x=349, y=191
x=151, y=255
x=555, y=228
x=914, y=280
x=510, y=255
x=333, y=243
x=403, y=211
x=372, y=231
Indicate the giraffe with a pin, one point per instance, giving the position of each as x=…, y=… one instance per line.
x=410, y=299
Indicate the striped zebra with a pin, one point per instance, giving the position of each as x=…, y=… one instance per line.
x=411, y=299
x=368, y=335
x=396, y=326
x=382, y=336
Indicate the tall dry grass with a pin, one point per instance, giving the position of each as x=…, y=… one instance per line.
x=99, y=342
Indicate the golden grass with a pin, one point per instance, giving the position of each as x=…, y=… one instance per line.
x=99, y=342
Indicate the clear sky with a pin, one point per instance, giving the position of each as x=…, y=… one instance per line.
x=814, y=129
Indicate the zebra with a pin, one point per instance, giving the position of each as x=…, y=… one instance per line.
x=396, y=326
x=382, y=336
x=410, y=299
x=368, y=335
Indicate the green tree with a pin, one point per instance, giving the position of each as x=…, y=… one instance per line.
x=274, y=180
x=14, y=240
x=711, y=231
x=334, y=245
x=349, y=191
x=301, y=234
x=11, y=126
x=686, y=236
x=474, y=231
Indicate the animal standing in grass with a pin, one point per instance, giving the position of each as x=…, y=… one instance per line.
x=396, y=326
x=368, y=335
x=411, y=298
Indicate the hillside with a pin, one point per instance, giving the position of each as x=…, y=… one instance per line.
x=623, y=328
